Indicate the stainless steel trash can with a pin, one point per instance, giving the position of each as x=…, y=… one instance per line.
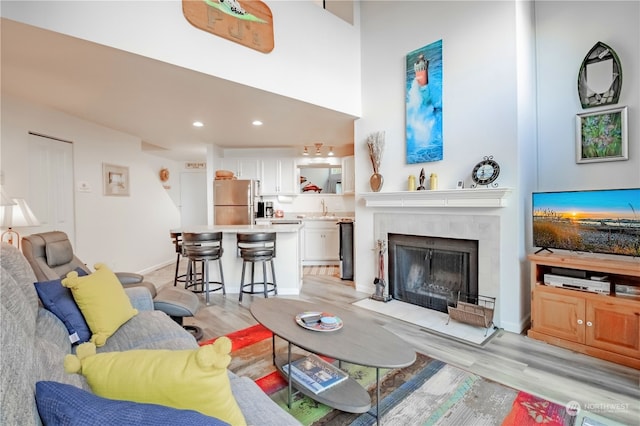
x=346, y=249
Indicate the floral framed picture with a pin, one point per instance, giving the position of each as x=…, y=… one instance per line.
x=602, y=136
x=115, y=180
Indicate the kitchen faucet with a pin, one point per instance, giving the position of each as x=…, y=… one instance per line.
x=324, y=207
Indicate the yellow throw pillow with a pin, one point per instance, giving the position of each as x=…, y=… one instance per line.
x=102, y=301
x=194, y=379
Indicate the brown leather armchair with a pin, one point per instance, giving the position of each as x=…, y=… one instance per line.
x=51, y=256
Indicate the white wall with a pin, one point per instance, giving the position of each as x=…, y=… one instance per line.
x=564, y=35
x=527, y=146
x=479, y=98
x=480, y=110
x=315, y=59
x=128, y=233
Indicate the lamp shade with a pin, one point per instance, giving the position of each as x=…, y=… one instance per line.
x=17, y=215
x=4, y=200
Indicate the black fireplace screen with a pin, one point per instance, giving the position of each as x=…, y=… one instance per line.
x=430, y=271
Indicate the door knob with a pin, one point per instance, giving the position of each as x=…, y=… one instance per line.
x=589, y=323
x=580, y=321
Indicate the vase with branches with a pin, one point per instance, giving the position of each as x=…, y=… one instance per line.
x=375, y=143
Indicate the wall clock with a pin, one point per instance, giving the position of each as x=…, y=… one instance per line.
x=485, y=172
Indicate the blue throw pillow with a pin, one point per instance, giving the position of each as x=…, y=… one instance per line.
x=58, y=300
x=62, y=404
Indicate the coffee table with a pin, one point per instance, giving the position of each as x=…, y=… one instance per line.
x=359, y=341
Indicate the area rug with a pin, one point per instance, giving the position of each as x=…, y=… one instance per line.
x=429, y=392
x=330, y=270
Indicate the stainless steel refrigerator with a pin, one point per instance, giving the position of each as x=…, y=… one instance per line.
x=233, y=201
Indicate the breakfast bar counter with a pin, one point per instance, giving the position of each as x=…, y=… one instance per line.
x=288, y=264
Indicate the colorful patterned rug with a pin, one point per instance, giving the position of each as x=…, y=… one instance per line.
x=429, y=392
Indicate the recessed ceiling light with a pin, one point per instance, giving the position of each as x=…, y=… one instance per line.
x=257, y=123
x=198, y=124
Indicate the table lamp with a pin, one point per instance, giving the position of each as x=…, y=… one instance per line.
x=4, y=200
x=13, y=216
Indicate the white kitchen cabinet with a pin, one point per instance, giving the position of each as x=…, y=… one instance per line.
x=321, y=242
x=278, y=176
x=288, y=182
x=243, y=168
x=348, y=175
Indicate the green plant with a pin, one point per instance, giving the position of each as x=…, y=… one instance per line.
x=602, y=135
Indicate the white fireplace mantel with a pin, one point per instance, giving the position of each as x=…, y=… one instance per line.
x=471, y=197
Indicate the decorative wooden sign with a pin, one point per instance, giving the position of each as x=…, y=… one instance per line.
x=192, y=165
x=249, y=22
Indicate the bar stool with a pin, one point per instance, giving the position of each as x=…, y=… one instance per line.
x=254, y=248
x=176, y=237
x=201, y=248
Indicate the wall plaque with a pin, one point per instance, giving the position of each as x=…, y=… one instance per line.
x=249, y=22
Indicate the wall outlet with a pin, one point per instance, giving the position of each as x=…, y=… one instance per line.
x=84, y=187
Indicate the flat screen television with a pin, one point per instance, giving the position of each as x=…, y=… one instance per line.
x=599, y=221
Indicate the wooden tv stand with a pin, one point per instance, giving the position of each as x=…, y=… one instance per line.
x=605, y=326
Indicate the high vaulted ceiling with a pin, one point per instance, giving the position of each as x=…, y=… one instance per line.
x=156, y=101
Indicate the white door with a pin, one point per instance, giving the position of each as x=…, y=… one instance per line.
x=193, y=198
x=51, y=184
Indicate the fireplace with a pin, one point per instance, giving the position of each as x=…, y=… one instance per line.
x=432, y=271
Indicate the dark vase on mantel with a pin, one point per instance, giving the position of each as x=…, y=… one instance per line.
x=376, y=181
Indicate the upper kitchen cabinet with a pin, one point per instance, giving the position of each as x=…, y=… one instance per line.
x=348, y=175
x=278, y=176
x=243, y=168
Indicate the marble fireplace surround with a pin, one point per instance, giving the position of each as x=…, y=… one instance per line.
x=464, y=214
x=484, y=229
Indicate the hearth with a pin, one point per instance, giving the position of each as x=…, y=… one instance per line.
x=431, y=271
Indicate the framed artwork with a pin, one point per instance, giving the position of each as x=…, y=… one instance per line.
x=115, y=180
x=602, y=136
x=424, y=104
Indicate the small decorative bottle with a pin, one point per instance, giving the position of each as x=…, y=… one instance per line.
x=433, y=181
x=412, y=183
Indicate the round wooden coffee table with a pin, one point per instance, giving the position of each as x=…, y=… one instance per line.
x=358, y=342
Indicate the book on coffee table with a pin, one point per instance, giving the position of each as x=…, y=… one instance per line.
x=314, y=373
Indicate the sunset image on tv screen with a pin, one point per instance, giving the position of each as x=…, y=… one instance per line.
x=601, y=221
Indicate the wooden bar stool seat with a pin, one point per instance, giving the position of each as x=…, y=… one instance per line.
x=202, y=248
x=257, y=248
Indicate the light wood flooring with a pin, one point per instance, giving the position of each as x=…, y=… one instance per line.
x=609, y=390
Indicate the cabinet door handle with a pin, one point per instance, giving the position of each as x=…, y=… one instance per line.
x=580, y=321
x=589, y=323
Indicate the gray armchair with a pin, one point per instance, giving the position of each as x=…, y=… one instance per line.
x=51, y=256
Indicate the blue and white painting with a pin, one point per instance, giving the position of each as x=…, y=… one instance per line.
x=424, y=104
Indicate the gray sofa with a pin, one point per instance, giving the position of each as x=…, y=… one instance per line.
x=34, y=343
